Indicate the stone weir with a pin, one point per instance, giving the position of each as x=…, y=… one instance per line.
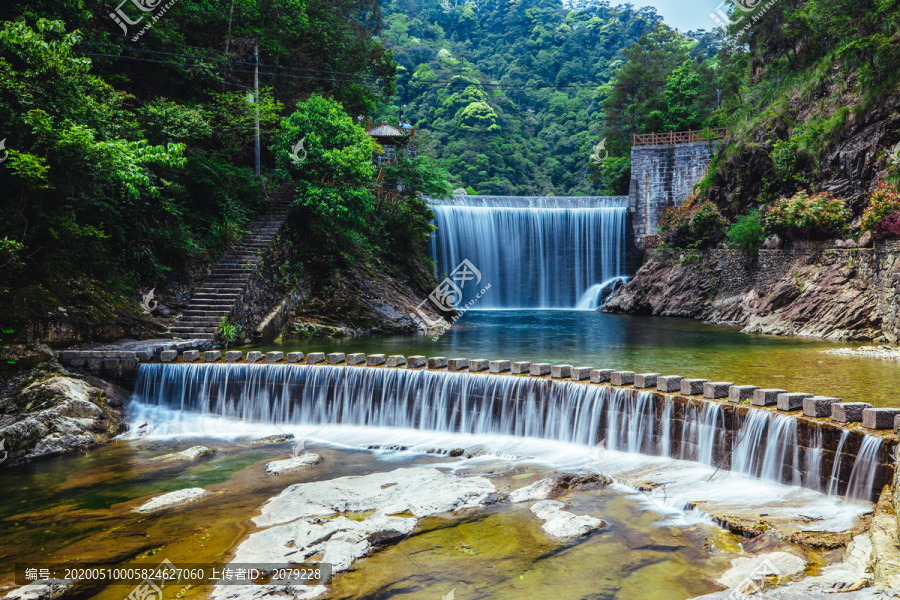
x=797, y=439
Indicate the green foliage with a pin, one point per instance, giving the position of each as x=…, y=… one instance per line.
x=332, y=179
x=808, y=217
x=229, y=332
x=747, y=232
x=697, y=226
x=882, y=211
x=616, y=174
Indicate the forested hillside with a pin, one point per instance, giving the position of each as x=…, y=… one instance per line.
x=508, y=92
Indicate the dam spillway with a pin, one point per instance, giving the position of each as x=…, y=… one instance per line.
x=758, y=443
x=536, y=252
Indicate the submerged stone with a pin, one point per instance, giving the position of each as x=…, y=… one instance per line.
x=172, y=499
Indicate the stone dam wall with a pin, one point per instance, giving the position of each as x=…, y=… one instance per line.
x=828, y=431
x=662, y=177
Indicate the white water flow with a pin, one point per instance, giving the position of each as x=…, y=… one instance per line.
x=765, y=445
x=834, y=480
x=561, y=253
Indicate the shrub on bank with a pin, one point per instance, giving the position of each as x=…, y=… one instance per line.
x=747, y=232
x=697, y=226
x=882, y=215
x=808, y=217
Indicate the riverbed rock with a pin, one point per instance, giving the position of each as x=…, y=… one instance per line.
x=563, y=524
x=420, y=491
x=171, y=499
x=49, y=589
x=557, y=485
x=539, y=490
x=748, y=571
x=191, y=454
x=295, y=463
x=52, y=412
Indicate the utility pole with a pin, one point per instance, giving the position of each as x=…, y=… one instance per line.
x=256, y=102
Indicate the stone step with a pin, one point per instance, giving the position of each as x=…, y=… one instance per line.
x=196, y=336
x=208, y=308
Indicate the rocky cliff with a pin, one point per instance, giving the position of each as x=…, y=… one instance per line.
x=810, y=290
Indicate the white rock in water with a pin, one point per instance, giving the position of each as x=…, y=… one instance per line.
x=760, y=567
x=269, y=592
x=563, y=524
x=420, y=491
x=193, y=453
x=41, y=590
x=172, y=499
x=292, y=464
x=539, y=490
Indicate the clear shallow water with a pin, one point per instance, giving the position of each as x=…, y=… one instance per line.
x=642, y=344
x=79, y=508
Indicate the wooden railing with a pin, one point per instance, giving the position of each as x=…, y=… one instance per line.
x=679, y=137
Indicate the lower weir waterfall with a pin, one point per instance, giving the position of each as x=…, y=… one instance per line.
x=759, y=443
x=535, y=252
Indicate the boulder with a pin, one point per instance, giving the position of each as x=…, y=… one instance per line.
x=748, y=571
x=563, y=524
x=48, y=589
x=172, y=499
x=191, y=454
x=58, y=414
x=295, y=463
x=866, y=240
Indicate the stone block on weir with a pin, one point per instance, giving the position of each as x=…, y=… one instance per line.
x=375, y=360
x=539, y=369
x=254, y=356
x=314, y=358
x=848, y=412
x=517, y=368
x=437, y=362
x=212, y=355
x=621, y=377
x=818, y=406
x=292, y=357
x=478, y=364
x=788, y=401
x=168, y=355
x=336, y=358
x=716, y=389
x=766, y=397
x=561, y=371
x=601, y=375
x=645, y=380
x=879, y=418
x=274, y=356
x=499, y=366
x=736, y=393
x=670, y=384
x=396, y=360
x=415, y=362
x=190, y=355
x=457, y=364
x=897, y=425
x=233, y=356
x=581, y=373
x=356, y=358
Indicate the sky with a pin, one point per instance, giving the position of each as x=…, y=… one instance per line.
x=683, y=14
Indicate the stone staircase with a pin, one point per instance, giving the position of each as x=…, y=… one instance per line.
x=222, y=291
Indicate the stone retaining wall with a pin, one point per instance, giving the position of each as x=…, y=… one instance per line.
x=736, y=402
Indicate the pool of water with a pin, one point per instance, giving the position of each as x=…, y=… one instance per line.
x=80, y=508
x=643, y=344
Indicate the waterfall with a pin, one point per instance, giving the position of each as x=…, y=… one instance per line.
x=535, y=252
x=763, y=444
x=834, y=481
x=865, y=469
x=814, y=462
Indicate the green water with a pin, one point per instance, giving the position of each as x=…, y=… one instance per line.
x=80, y=508
x=643, y=344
